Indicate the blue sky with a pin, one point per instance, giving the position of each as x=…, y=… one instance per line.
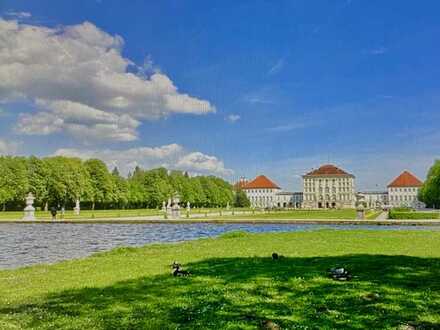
x=272, y=87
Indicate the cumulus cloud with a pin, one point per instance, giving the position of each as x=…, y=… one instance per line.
x=172, y=156
x=233, y=118
x=8, y=148
x=77, y=76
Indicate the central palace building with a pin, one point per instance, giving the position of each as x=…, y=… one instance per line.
x=328, y=187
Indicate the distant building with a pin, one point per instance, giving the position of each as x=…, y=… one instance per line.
x=285, y=199
x=403, y=191
x=328, y=187
x=261, y=191
x=373, y=199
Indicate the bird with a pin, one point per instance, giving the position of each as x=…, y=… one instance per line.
x=176, y=271
x=339, y=274
x=275, y=256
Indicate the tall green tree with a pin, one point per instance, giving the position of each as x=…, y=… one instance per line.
x=430, y=191
x=68, y=180
x=102, y=185
x=241, y=199
x=14, y=183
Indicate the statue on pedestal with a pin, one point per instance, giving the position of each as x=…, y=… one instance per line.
x=175, y=208
x=29, y=210
x=188, y=209
x=168, y=208
x=77, y=208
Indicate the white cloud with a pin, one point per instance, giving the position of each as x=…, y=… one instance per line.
x=172, y=156
x=378, y=51
x=79, y=120
x=199, y=162
x=8, y=148
x=288, y=127
x=18, y=14
x=277, y=67
x=80, y=69
x=233, y=118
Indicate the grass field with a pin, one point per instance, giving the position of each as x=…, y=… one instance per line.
x=302, y=214
x=236, y=285
x=84, y=214
x=396, y=214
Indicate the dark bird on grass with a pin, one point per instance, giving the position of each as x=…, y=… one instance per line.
x=270, y=325
x=339, y=274
x=275, y=256
x=177, y=271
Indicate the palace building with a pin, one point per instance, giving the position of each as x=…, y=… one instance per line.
x=403, y=191
x=264, y=193
x=261, y=191
x=328, y=187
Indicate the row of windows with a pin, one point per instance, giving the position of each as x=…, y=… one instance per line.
x=404, y=189
x=261, y=199
x=343, y=181
x=403, y=198
x=261, y=191
x=311, y=184
x=327, y=189
x=342, y=197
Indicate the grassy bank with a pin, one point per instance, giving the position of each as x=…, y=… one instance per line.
x=110, y=214
x=413, y=215
x=302, y=214
x=84, y=214
x=236, y=285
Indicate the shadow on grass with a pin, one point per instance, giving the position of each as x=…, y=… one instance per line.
x=240, y=293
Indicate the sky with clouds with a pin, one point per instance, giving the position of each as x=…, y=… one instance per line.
x=231, y=88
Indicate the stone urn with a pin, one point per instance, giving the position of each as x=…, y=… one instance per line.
x=29, y=210
x=360, y=212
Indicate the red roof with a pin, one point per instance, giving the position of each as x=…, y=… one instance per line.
x=328, y=169
x=406, y=179
x=240, y=184
x=261, y=182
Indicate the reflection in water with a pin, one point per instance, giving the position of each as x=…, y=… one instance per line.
x=27, y=244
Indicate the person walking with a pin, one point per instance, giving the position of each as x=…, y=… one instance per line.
x=53, y=212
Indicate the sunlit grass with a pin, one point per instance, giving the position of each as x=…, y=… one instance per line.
x=236, y=285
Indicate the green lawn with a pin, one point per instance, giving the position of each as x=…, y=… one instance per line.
x=397, y=214
x=236, y=285
x=84, y=214
x=301, y=214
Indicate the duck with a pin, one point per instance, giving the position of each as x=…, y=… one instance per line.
x=339, y=274
x=177, y=271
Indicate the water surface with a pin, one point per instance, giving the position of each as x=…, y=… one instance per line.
x=28, y=244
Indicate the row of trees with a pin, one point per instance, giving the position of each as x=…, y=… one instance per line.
x=430, y=192
x=62, y=180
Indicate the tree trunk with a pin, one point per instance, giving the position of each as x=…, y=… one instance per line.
x=93, y=206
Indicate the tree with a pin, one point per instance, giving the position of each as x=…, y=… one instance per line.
x=14, y=183
x=101, y=183
x=241, y=199
x=430, y=191
x=38, y=174
x=68, y=180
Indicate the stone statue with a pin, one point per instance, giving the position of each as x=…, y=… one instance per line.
x=77, y=208
x=175, y=208
x=168, y=208
x=29, y=210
